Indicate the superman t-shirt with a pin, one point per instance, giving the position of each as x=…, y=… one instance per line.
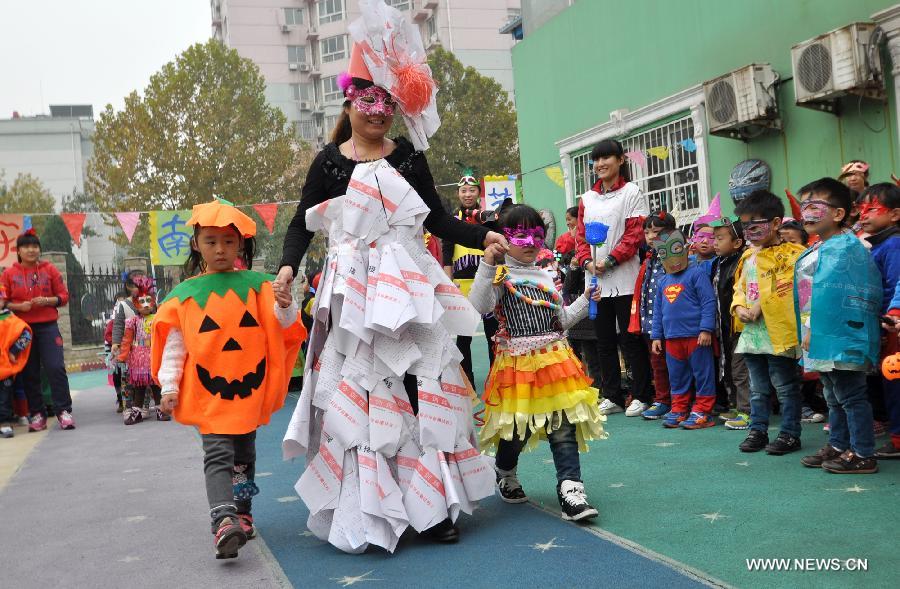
x=685, y=304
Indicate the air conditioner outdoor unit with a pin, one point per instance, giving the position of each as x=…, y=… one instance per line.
x=304, y=67
x=742, y=104
x=293, y=66
x=837, y=63
x=306, y=105
x=285, y=29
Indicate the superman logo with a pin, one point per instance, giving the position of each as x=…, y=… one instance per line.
x=672, y=291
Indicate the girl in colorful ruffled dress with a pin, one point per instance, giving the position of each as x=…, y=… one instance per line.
x=135, y=353
x=537, y=388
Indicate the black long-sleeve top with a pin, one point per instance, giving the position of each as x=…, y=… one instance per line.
x=328, y=177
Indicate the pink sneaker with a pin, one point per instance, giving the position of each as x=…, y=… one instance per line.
x=66, y=421
x=37, y=423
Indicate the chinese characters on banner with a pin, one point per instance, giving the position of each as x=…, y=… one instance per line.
x=499, y=188
x=10, y=229
x=170, y=238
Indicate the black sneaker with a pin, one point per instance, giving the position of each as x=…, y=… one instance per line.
x=825, y=453
x=133, y=415
x=783, y=444
x=755, y=441
x=510, y=489
x=888, y=452
x=850, y=463
x=444, y=532
x=573, y=502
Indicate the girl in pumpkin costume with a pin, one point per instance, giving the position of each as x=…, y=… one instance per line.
x=537, y=388
x=15, y=343
x=135, y=353
x=224, y=345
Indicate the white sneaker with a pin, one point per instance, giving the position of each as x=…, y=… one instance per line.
x=607, y=407
x=636, y=408
x=573, y=502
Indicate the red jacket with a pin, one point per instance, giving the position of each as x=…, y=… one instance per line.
x=565, y=243
x=24, y=284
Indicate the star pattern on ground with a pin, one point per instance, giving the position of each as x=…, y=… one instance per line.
x=545, y=546
x=347, y=581
x=135, y=518
x=744, y=463
x=288, y=499
x=713, y=517
x=616, y=485
x=664, y=444
x=853, y=489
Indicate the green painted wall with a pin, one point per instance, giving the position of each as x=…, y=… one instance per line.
x=602, y=55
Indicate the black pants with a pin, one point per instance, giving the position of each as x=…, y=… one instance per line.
x=612, y=311
x=464, y=343
x=586, y=351
x=224, y=455
x=6, y=398
x=47, y=357
x=136, y=395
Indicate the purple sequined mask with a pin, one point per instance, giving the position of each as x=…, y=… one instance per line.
x=522, y=237
x=373, y=100
x=813, y=211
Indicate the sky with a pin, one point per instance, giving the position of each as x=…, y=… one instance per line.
x=89, y=51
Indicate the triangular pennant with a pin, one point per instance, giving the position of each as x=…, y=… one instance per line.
x=267, y=213
x=637, y=157
x=129, y=222
x=660, y=151
x=26, y=222
x=74, y=222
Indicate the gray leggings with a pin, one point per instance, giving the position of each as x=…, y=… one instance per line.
x=229, y=463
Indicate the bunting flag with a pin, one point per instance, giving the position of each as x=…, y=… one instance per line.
x=74, y=222
x=267, y=213
x=10, y=229
x=129, y=222
x=170, y=238
x=499, y=188
x=637, y=157
x=555, y=174
x=661, y=151
x=26, y=222
x=688, y=145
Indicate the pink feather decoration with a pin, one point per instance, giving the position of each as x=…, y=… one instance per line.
x=344, y=81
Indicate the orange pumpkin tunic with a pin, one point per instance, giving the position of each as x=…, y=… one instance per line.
x=11, y=327
x=239, y=358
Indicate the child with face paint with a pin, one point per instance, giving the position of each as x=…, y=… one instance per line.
x=684, y=314
x=879, y=208
x=763, y=306
x=837, y=292
x=537, y=388
x=134, y=351
x=703, y=242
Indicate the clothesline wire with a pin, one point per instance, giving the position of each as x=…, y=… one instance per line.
x=242, y=206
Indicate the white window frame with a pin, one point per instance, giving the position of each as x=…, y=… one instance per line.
x=399, y=4
x=325, y=52
x=333, y=94
x=290, y=15
x=306, y=129
x=330, y=11
x=622, y=123
x=292, y=51
x=430, y=28
x=329, y=122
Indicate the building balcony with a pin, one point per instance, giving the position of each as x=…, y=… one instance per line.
x=421, y=14
x=430, y=4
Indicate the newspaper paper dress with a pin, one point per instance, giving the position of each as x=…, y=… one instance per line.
x=384, y=308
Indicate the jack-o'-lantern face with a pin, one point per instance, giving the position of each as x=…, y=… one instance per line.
x=890, y=368
x=236, y=365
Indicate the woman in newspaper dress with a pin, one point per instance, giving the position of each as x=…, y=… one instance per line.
x=384, y=418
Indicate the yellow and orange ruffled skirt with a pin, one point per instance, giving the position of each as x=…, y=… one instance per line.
x=533, y=391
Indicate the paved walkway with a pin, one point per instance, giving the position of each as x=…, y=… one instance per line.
x=112, y=506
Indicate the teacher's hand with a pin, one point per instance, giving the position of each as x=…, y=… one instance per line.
x=495, y=238
x=284, y=278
